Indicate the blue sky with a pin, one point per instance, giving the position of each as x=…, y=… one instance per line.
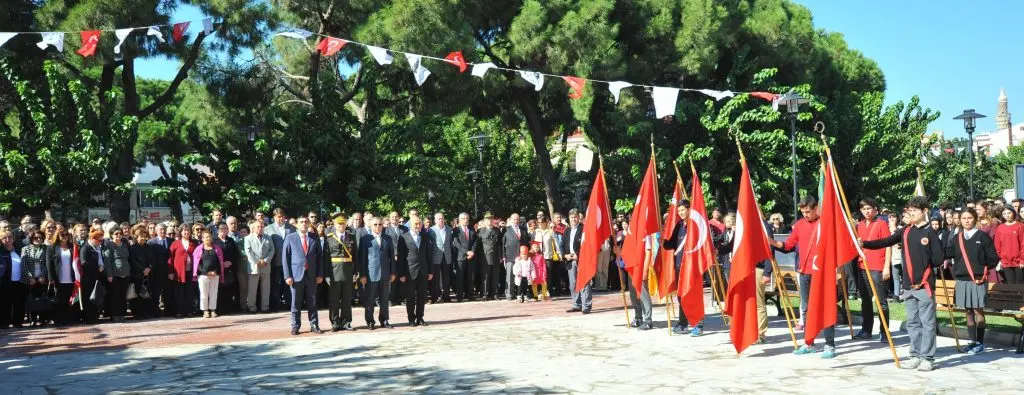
x=953, y=54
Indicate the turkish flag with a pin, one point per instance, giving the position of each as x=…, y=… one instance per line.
x=178, y=31
x=576, y=83
x=765, y=96
x=90, y=39
x=597, y=229
x=330, y=45
x=642, y=223
x=456, y=59
x=837, y=244
x=666, y=267
x=750, y=246
x=698, y=255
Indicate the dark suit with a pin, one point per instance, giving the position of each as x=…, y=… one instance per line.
x=341, y=266
x=490, y=262
x=303, y=266
x=55, y=270
x=161, y=251
x=464, y=241
x=89, y=259
x=376, y=264
x=414, y=266
x=441, y=255
x=510, y=249
x=571, y=245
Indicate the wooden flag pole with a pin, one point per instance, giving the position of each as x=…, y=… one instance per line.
x=668, y=311
x=622, y=290
x=716, y=286
x=846, y=301
x=952, y=321
x=871, y=281
x=784, y=303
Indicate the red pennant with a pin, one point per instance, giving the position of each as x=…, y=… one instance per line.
x=597, y=227
x=576, y=83
x=329, y=45
x=764, y=95
x=698, y=254
x=179, y=30
x=750, y=246
x=90, y=39
x=456, y=59
x=644, y=222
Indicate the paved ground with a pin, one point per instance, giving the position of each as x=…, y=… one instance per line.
x=471, y=347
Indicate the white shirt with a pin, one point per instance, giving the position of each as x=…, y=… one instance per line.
x=15, y=266
x=65, y=266
x=572, y=236
x=970, y=233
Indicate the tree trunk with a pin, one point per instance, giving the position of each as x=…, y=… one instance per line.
x=538, y=136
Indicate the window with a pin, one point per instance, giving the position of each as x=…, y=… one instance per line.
x=148, y=201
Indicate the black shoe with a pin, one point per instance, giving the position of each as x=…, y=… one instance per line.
x=635, y=324
x=386, y=324
x=421, y=322
x=335, y=328
x=646, y=327
x=413, y=323
x=573, y=310
x=316, y=330
x=346, y=326
x=372, y=326
x=587, y=311
x=863, y=336
x=295, y=331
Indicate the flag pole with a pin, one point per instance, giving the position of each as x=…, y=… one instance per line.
x=784, y=303
x=840, y=273
x=871, y=281
x=712, y=267
x=952, y=321
x=657, y=213
x=622, y=282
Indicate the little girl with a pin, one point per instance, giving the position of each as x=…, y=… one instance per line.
x=540, y=272
x=524, y=272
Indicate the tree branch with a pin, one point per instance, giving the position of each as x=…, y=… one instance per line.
x=488, y=51
x=89, y=82
x=355, y=86
x=190, y=60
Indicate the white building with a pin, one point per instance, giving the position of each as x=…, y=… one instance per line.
x=1006, y=134
x=145, y=206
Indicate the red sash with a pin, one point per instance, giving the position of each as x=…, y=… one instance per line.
x=910, y=265
x=967, y=261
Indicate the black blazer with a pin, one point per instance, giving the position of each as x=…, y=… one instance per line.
x=159, y=253
x=463, y=242
x=53, y=264
x=414, y=261
x=90, y=261
x=511, y=243
x=575, y=240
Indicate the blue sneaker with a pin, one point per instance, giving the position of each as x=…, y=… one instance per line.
x=805, y=349
x=977, y=349
x=696, y=331
x=829, y=353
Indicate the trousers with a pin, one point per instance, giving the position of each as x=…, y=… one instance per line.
x=258, y=282
x=920, y=307
x=209, y=287
x=582, y=299
x=641, y=300
x=372, y=291
x=304, y=290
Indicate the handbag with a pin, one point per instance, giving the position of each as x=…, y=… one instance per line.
x=144, y=290
x=99, y=294
x=130, y=294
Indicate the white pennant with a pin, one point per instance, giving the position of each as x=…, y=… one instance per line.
x=664, y=101
x=4, y=37
x=381, y=55
x=481, y=68
x=121, y=34
x=419, y=72
x=533, y=77
x=297, y=34
x=56, y=39
x=153, y=31
x=616, y=86
x=207, y=25
x=718, y=95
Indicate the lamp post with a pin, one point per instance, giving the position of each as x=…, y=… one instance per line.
x=479, y=199
x=969, y=116
x=792, y=101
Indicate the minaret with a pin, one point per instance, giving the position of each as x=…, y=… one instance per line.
x=1002, y=113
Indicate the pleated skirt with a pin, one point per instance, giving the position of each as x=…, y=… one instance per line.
x=968, y=295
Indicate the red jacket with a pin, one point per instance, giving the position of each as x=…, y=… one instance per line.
x=874, y=230
x=178, y=256
x=805, y=239
x=1009, y=241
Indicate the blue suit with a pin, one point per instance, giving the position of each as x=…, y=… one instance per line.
x=303, y=266
x=376, y=264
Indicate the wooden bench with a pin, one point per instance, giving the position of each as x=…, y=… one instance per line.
x=792, y=280
x=1004, y=300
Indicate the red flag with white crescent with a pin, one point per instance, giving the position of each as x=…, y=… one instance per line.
x=178, y=31
x=697, y=254
x=750, y=246
x=576, y=83
x=457, y=60
x=597, y=229
x=330, y=45
x=90, y=40
x=642, y=223
x=666, y=267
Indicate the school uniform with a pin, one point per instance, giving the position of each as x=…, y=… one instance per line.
x=973, y=254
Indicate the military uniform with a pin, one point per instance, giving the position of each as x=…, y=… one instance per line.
x=339, y=253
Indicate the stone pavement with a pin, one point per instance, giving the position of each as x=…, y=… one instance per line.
x=471, y=347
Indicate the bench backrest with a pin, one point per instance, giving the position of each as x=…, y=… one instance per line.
x=1005, y=297
x=944, y=290
x=791, y=280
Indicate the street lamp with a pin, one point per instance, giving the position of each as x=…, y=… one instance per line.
x=480, y=139
x=969, y=116
x=792, y=101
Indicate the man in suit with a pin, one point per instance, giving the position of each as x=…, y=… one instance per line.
x=515, y=236
x=376, y=272
x=415, y=269
x=490, y=265
x=277, y=231
x=302, y=272
x=339, y=251
x=160, y=247
x=581, y=301
x=394, y=230
x=464, y=243
x=441, y=260
x=259, y=249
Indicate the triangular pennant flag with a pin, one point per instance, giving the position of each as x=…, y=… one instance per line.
x=298, y=34
x=178, y=31
x=419, y=72
x=90, y=39
x=4, y=37
x=207, y=25
x=56, y=39
x=576, y=83
x=664, y=101
x=765, y=96
x=155, y=32
x=121, y=34
x=456, y=59
x=330, y=45
x=480, y=69
x=616, y=86
x=381, y=55
x=533, y=77
x=718, y=95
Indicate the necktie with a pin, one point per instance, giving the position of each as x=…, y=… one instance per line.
x=517, y=233
x=305, y=250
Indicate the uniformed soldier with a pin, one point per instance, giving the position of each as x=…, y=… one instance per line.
x=339, y=251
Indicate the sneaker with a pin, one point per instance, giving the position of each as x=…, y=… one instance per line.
x=925, y=366
x=829, y=353
x=862, y=336
x=911, y=363
x=977, y=349
x=680, y=329
x=213, y=314
x=206, y=314
x=805, y=349
x=696, y=331
x=970, y=346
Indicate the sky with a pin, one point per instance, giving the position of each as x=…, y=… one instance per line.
x=953, y=54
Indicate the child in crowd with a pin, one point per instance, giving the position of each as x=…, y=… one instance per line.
x=540, y=272
x=524, y=271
